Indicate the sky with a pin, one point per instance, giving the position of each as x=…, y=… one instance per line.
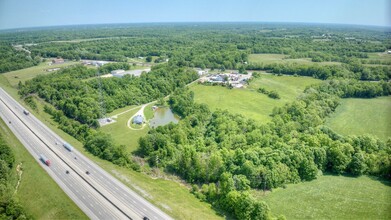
x=37, y=13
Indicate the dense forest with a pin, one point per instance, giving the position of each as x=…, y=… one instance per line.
x=78, y=98
x=13, y=59
x=222, y=46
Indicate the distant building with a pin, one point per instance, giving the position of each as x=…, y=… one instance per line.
x=122, y=73
x=202, y=72
x=58, y=61
x=138, y=120
x=117, y=71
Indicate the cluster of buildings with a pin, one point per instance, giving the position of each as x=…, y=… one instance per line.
x=233, y=79
x=97, y=63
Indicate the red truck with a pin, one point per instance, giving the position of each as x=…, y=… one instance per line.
x=44, y=159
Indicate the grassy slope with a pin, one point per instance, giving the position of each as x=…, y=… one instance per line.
x=172, y=197
x=332, y=197
x=363, y=116
x=249, y=102
x=38, y=193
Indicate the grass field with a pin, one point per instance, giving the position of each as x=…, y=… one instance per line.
x=281, y=58
x=249, y=102
x=363, y=116
x=172, y=197
x=122, y=134
x=38, y=193
x=25, y=74
x=332, y=197
x=378, y=56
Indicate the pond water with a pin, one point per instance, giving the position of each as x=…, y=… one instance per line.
x=163, y=116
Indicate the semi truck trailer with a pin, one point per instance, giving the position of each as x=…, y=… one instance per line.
x=44, y=159
x=68, y=146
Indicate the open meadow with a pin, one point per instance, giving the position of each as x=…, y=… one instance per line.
x=249, y=102
x=363, y=116
x=283, y=59
x=331, y=197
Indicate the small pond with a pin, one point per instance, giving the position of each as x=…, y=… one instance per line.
x=163, y=116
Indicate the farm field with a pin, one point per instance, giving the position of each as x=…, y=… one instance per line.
x=281, y=58
x=249, y=102
x=352, y=117
x=332, y=197
x=38, y=193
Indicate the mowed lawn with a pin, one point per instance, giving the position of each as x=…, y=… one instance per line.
x=38, y=193
x=363, y=116
x=249, y=102
x=332, y=197
x=120, y=131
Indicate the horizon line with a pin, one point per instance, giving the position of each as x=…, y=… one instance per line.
x=199, y=22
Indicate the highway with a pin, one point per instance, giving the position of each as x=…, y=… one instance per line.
x=98, y=194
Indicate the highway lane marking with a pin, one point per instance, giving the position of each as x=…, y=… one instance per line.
x=62, y=174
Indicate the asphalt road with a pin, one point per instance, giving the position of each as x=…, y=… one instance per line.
x=98, y=194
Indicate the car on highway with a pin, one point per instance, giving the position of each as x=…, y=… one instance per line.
x=87, y=172
x=67, y=172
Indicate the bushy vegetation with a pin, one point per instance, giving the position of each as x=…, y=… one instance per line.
x=227, y=154
x=12, y=59
x=77, y=99
x=218, y=46
x=353, y=70
x=75, y=108
x=9, y=205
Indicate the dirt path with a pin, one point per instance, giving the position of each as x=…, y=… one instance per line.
x=20, y=172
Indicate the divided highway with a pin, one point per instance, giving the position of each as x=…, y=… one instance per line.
x=96, y=192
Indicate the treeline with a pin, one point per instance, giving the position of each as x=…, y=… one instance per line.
x=272, y=94
x=75, y=107
x=107, y=68
x=12, y=59
x=225, y=155
x=216, y=46
x=78, y=99
x=10, y=208
x=353, y=70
